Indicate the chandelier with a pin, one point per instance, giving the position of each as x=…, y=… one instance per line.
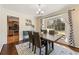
x=39, y=11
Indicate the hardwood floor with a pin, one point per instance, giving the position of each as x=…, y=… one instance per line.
x=10, y=49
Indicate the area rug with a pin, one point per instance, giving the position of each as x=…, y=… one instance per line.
x=62, y=50
x=23, y=49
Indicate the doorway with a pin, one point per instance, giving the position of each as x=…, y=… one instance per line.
x=12, y=29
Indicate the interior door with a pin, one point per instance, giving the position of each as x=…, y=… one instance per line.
x=13, y=29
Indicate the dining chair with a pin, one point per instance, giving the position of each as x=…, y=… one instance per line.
x=38, y=42
x=44, y=31
x=31, y=40
x=51, y=32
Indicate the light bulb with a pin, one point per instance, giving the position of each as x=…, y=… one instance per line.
x=39, y=9
x=42, y=12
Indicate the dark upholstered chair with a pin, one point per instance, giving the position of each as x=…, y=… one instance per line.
x=44, y=31
x=51, y=32
x=31, y=40
x=38, y=42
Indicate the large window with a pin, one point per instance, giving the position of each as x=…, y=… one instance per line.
x=57, y=24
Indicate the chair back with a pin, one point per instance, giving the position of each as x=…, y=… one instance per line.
x=51, y=32
x=30, y=36
x=44, y=31
x=37, y=39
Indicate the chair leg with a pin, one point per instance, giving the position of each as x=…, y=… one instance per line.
x=35, y=50
x=52, y=46
x=40, y=51
x=49, y=45
x=29, y=44
x=32, y=47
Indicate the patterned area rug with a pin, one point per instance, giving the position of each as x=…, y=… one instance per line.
x=23, y=49
x=62, y=50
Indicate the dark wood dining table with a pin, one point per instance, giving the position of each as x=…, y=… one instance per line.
x=50, y=38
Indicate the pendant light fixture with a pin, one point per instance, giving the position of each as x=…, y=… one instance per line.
x=39, y=11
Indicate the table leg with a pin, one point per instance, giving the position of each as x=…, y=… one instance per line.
x=52, y=46
x=46, y=48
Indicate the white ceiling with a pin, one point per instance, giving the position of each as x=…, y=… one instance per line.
x=32, y=8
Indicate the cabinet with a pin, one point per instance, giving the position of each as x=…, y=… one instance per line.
x=13, y=29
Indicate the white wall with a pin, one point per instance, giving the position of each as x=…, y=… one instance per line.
x=3, y=23
x=1, y=40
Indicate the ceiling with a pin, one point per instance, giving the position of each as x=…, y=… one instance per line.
x=32, y=8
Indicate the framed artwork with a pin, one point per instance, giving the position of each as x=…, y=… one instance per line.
x=28, y=22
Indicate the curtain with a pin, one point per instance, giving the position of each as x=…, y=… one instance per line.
x=71, y=36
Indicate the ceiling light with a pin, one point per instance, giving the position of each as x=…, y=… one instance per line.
x=39, y=11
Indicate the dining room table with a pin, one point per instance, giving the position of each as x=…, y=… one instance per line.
x=50, y=38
